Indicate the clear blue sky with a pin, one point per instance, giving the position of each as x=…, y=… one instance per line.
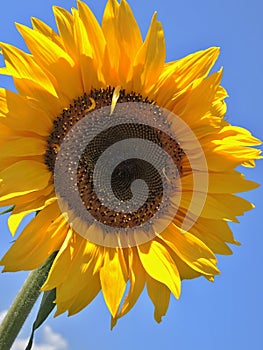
x=229, y=313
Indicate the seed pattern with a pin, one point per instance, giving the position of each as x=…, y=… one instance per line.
x=127, y=171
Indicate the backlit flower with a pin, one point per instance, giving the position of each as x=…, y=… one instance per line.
x=104, y=76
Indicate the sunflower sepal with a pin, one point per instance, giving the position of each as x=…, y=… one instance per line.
x=46, y=307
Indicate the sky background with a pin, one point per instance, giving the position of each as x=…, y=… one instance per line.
x=226, y=314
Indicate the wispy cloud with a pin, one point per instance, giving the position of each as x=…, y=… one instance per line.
x=51, y=341
x=2, y=315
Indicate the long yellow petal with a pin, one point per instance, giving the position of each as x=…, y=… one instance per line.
x=110, y=30
x=227, y=182
x=35, y=177
x=217, y=206
x=24, y=199
x=88, y=65
x=190, y=109
x=85, y=295
x=65, y=24
x=28, y=119
x=149, y=60
x=136, y=276
x=47, y=31
x=225, y=206
x=94, y=32
x=185, y=271
x=179, y=74
x=56, y=60
x=159, y=265
x=84, y=273
x=213, y=241
x=22, y=146
x=20, y=211
x=191, y=250
x=36, y=242
x=83, y=262
x=218, y=227
x=129, y=31
x=160, y=296
x=112, y=274
x=21, y=65
x=57, y=274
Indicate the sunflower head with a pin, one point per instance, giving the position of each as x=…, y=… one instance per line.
x=126, y=158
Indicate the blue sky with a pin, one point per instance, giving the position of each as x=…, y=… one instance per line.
x=229, y=313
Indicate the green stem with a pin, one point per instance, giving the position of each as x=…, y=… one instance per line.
x=23, y=304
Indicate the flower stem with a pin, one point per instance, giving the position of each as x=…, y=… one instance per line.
x=23, y=304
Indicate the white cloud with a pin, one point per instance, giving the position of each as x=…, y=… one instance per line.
x=2, y=315
x=51, y=341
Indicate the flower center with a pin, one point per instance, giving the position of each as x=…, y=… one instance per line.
x=97, y=99
x=127, y=171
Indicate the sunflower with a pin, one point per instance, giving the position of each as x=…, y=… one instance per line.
x=120, y=85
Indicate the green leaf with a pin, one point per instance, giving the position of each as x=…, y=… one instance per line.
x=8, y=210
x=46, y=307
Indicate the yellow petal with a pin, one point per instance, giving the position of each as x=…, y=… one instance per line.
x=112, y=274
x=110, y=30
x=160, y=296
x=88, y=67
x=23, y=146
x=159, y=265
x=185, y=271
x=83, y=262
x=225, y=206
x=86, y=295
x=191, y=250
x=219, y=228
x=57, y=274
x=35, y=177
x=65, y=24
x=204, y=91
x=229, y=158
x=125, y=32
x=42, y=99
x=230, y=183
x=216, y=206
x=150, y=58
x=136, y=276
x=82, y=283
x=47, y=192
x=82, y=297
x=191, y=67
x=238, y=134
x=56, y=60
x=214, y=242
x=23, y=66
x=123, y=37
x=6, y=134
x=43, y=49
x=94, y=32
x=47, y=31
x=219, y=107
x=21, y=210
x=183, y=72
x=227, y=182
x=28, y=119
x=36, y=242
